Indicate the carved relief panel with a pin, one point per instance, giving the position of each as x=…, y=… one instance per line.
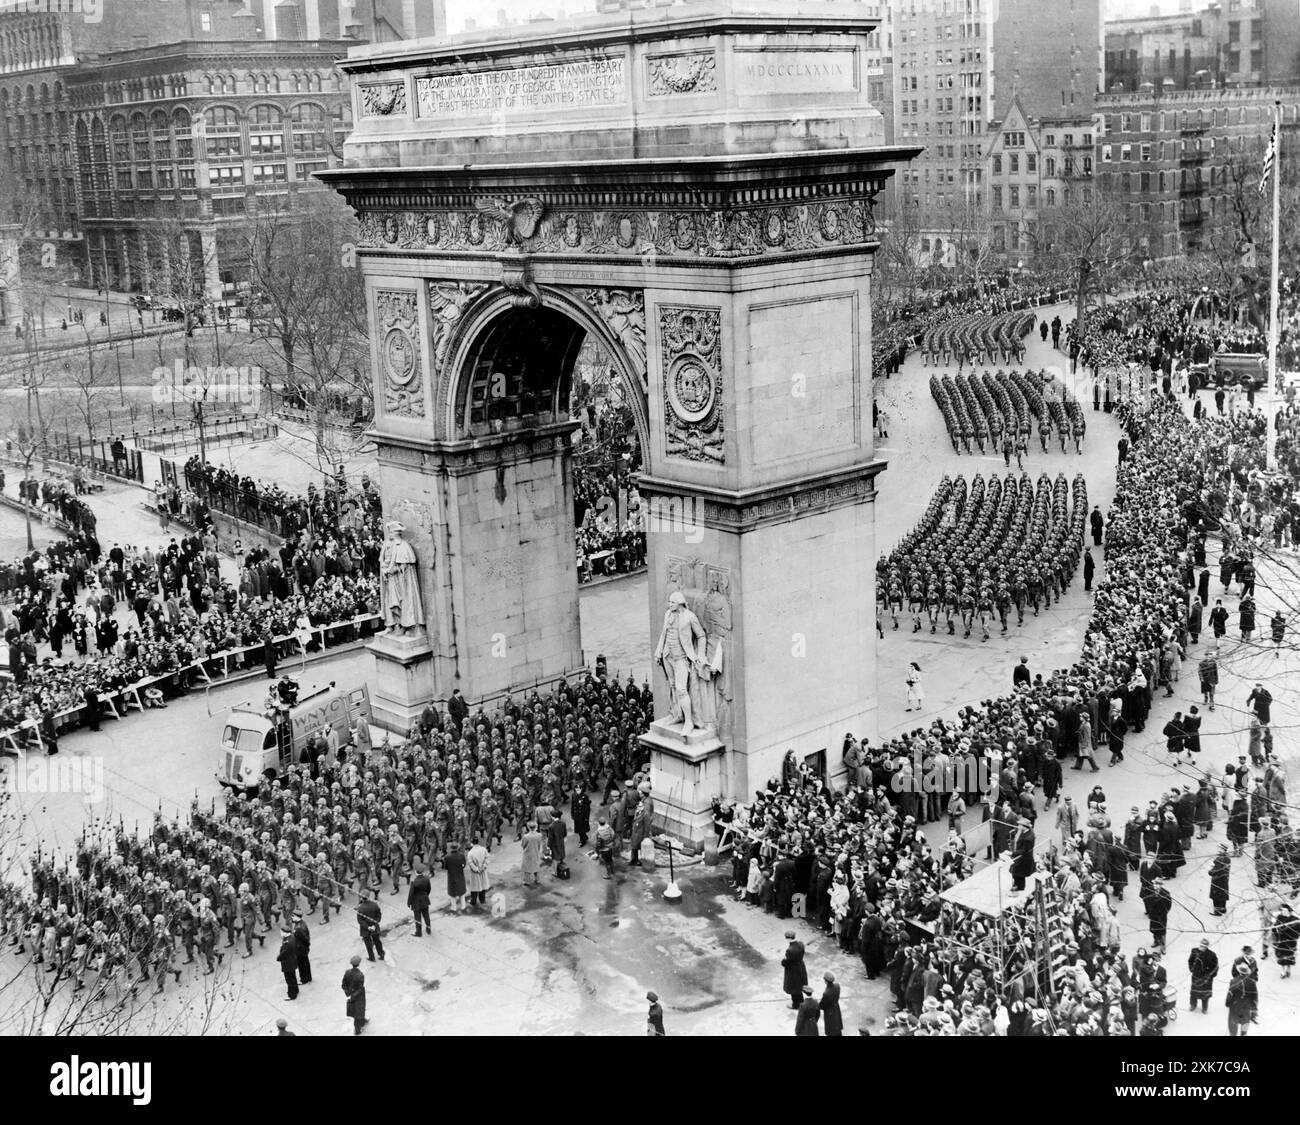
x=690, y=342
x=401, y=379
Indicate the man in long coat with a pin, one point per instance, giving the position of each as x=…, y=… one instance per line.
x=832, y=1018
x=1219, y=874
x=1022, y=855
x=417, y=898
x=1204, y=966
x=806, y=1021
x=354, y=988
x=796, y=972
x=531, y=864
x=454, y=862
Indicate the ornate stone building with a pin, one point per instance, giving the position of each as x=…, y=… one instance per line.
x=177, y=146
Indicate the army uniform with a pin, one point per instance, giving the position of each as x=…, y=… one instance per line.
x=248, y=918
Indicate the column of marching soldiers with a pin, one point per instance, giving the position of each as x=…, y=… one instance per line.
x=980, y=552
x=129, y=905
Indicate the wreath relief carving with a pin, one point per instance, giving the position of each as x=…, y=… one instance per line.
x=399, y=353
x=691, y=344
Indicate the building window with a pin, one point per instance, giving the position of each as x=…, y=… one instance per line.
x=224, y=148
x=228, y=205
x=269, y=173
x=1013, y=194
x=1031, y=162
x=997, y=165
x=1014, y=161
x=1031, y=194
x=226, y=176
x=1146, y=152
x=1051, y=197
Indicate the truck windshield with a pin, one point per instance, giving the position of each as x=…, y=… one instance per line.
x=236, y=738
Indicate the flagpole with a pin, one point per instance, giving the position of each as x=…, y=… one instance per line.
x=1270, y=391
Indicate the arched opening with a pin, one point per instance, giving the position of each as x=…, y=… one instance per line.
x=528, y=367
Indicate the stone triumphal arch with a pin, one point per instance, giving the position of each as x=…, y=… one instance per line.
x=693, y=186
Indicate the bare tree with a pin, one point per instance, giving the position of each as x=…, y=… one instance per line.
x=901, y=260
x=1092, y=232
x=310, y=306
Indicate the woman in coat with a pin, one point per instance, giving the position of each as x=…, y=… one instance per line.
x=1238, y=825
x=1286, y=930
x=1204, y=813
x=1117, y=868
x=1220, y=870
x=873, y=943
x=1171, y=847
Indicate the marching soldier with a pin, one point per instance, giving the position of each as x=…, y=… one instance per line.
x=227, y=907
x=209, y=927
x=248, y=919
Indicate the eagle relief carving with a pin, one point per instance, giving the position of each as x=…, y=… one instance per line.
x=519, y=218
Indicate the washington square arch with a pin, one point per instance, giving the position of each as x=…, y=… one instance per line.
x=692, y=185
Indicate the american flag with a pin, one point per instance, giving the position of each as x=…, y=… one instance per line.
x=1269, y=157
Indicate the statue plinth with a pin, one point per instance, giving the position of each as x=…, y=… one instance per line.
x=686, y=773
x=403, y=679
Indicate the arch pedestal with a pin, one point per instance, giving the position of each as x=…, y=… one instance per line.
x=692, y=186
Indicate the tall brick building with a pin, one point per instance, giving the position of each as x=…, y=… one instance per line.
x=43, y=55
x=960, y=65
x=1167, y=157
x=1231, y=42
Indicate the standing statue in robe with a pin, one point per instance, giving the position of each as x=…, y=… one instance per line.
x=399, y=583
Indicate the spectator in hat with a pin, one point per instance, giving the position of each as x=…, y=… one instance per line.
x=806, y=1021
x=1286, y=931
x=833, y=1020
x=354, y=988
x=1203, y=963
x=1242, y=1001
x=655, y=1016
x=302, y=943
x=796, y=971
x=1219, y=873
x=288, y=959
x=1158, y=904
